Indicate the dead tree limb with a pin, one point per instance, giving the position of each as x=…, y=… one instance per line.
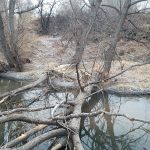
x=36, y=129
x=92, y=114
x=23, y=118
x=41, y=138
x=25, y=135
x=18, y=110
x=26, y=87
x=103, y=112
x=30, y=8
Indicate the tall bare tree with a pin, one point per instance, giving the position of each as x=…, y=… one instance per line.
x=9, y=47
x=13, y=38
x=9, y=43
x=81, y=32
x=4, y=44
x=45, y=16
x=110, y=52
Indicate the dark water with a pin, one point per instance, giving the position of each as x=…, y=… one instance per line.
x=99, y=133
x=116, y=133
x=6, y=85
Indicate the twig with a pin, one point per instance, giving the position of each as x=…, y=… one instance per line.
x=39, y=139
x=92, y=114
x=25, y=135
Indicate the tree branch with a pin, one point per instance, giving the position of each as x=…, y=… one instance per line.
x=118, y=74
x=138, y=1
x=113, y=7
x=26, y=87
x=30, y=8
x=23, y=118
x=24, y=136
x=9, y=112
x=41, y=138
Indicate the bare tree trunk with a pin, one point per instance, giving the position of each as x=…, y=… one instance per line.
x=81, y=39
x=13, y=38
x=79, y=101
x=5, y=47
x=77, y=57
x=11, y=16
x=45, y=19
x=110, y=52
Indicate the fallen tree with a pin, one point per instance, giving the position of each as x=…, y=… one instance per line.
x=65, y=123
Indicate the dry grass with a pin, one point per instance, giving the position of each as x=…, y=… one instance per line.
x=136, y=79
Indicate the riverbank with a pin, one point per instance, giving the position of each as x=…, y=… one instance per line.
x=133, y=79
x=52, y=53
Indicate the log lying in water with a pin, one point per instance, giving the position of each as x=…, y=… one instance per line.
x=22, y=76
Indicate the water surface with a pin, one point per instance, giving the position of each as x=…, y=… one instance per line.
x=116, y=133
x=99, y=133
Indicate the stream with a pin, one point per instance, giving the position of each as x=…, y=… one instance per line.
x=97, y=133
x=116, y=133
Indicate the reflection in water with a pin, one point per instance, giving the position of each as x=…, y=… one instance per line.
x=116, y=133
x=97, y=133
x=5, y=86
x=8, y=85
x=35, y=98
